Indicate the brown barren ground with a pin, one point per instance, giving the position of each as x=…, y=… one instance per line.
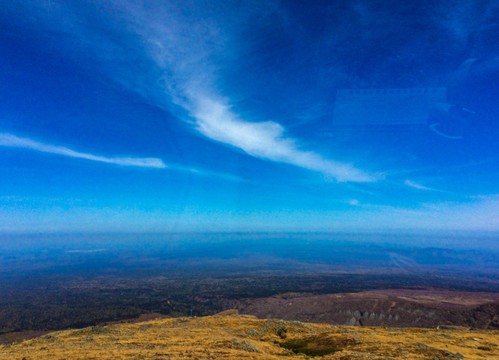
x=426, y=308
x=440, y=297
x=232, y=336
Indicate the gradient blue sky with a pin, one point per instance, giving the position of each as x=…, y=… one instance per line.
x=220, y=116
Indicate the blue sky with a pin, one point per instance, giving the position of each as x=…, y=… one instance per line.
x=199, y=116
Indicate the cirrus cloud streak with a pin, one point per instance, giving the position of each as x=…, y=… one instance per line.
x=266, y=140
x=189, y=55
x=9, y=140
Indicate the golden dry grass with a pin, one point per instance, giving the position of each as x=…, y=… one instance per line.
x=231, y=336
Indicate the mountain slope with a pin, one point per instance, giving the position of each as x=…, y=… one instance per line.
x=231, y=336
x=392, y=308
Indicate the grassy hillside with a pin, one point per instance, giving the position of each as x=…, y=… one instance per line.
x=231, y=336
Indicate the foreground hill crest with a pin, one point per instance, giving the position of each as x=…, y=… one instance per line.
x=232, y=336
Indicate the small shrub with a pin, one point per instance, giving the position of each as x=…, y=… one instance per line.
x=48, y=338
x=253, y=332
x=144, y=327
x=97, y=330
x=243, y=345
x=181, y=320
x=281, y=330
x=298, y=323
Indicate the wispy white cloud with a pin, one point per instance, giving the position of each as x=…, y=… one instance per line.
x=10, y=140
x=187, y=55
x=265, y=140
x=415, y=185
